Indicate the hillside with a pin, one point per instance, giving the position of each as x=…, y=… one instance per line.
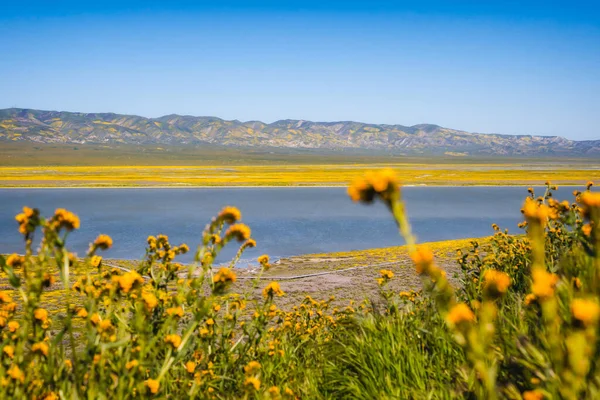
x=79, y=128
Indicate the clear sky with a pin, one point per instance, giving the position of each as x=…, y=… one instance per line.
x=515, y=67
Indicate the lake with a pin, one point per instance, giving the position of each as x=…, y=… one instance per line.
x=284, y=221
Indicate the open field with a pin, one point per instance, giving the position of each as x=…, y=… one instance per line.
x=130, y=166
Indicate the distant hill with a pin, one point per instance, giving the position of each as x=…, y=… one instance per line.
x=79, y=128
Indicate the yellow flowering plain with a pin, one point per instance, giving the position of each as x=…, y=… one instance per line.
x=289, y=175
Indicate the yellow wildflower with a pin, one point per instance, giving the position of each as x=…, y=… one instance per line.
x=51, y=396
x=40, y=314
x=41, y=347
x=175, y=311
x=423, y=259
x=252, y=382
x=386, y=274
x=129, y=279
x=15, y=373
x=587, y=230
x=13, y=326
x=533, y=395
x=150, y=300
x=358, y=190
x=496, y=281
x=590, y=199
x=586, y=311
x=252, y=367
x=5, y=297
x=530, y=298
x=534, y=211
x=27, y=220
x=132, y=364
x=543, y=283
x=190, y=367
x=153, y=385
x=174, y=340
x=460, y=313
x=264, y=259
x=151, y=242
x=15, y=260
x=224, y=275
x=9, y=351
x=103, y=242
x=274, y=392
x=380, y=183
x=272, y=289
x=240, y=232
x=229, y=215
x=96, y=261
x=65, y=219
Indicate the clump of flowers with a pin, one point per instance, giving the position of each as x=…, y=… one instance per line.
x=382, y=184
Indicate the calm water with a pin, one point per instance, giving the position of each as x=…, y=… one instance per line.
x=284, y=221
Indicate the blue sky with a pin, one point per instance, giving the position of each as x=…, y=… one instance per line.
x=528, y=67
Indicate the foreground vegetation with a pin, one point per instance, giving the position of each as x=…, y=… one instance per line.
x=27, y=165
x=519, y=321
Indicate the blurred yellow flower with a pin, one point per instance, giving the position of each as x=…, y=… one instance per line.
x=65, y=219
x=252, y=382
x=225, y=275
x=590, y=199
x=272, y=289
x=386, y=274
x=153, y=385
x=252, y=367
x=229, y=214
x=586, y=311
x=129, y=279
x=543, y=283
x=40, y=314
x=423, y=259
x=535, y=212
x=174, y=340
x=374, y=182
x=15, y=260
x=103, y=242
x=15, y=373
x=13, y=326
x=40, y=347
x=530, y=298
x=96, y=261
x=240, y=232
x=533, y=395
x=190, y=367
x=175, y=311
x=150, y=300
x=460, y=313
x=9, y=351
x=496, y=281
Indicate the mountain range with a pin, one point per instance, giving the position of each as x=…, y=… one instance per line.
x=38, y=126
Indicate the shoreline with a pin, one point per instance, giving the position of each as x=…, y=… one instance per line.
x=284, y=186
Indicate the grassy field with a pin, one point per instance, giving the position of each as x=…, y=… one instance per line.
x=28, y=165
